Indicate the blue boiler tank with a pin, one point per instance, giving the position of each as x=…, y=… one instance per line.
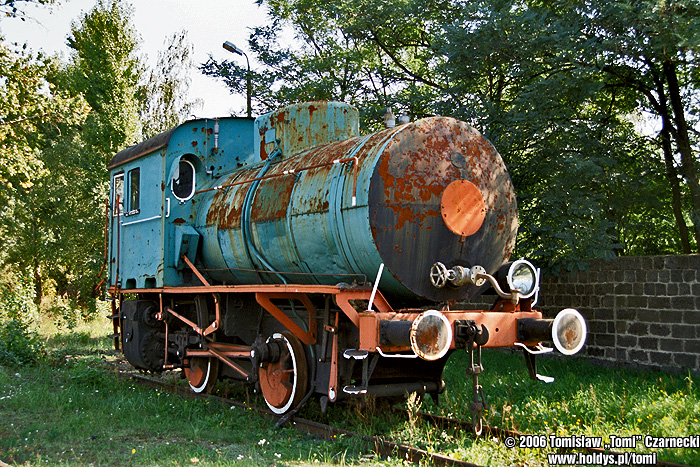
x=325, y=205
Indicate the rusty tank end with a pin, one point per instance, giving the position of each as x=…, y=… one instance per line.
x=441, y=192
x=433, y=190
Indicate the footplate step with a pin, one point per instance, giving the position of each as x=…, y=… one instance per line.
x=355, y=354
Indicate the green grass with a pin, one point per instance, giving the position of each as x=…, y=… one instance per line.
x=79, y=413
x=72, y=409
x=585, y=400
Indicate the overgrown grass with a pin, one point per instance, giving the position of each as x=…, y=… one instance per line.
x=585, y=399
x=71, y=409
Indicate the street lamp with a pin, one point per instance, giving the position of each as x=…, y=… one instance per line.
x=233, y=49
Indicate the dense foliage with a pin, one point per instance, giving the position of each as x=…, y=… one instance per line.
x=593, y=105
x=60, y=123
x=571, y=93
x=19, y=344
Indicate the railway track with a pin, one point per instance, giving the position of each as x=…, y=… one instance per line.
x=382, y=447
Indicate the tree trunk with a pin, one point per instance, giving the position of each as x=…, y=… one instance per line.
x=672, y=177
x=37, y=285
x=688, y=163
x=36, y=266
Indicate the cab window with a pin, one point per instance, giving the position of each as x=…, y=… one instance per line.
x=183, y=182
x=118, y=195
x=134, y=191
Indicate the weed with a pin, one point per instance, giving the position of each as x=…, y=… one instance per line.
x=19, y=343
x=414, y=402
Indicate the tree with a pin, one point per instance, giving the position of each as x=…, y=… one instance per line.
x=579, y=167
x=557, y=86
x=60, y=125
x=106, y=71
x=164, y=96
x=331, y=60
x=641, y=55
x=651, y=49
x=32, y=107
x=21, y=108
x=315, y=71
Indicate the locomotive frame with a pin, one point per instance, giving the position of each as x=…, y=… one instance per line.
x=187, y=296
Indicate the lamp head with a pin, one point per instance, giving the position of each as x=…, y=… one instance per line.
x=232, y=48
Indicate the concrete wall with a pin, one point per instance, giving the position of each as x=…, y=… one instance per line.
x=641, y=311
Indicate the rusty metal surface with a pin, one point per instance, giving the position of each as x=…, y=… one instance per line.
x=307, y=337
x=149, y=237
x=399, y=201
x=405, y=204
x=293, y=223
x=299, y=127
x=328, y=209
x=502, y=326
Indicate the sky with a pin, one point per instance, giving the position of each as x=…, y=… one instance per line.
x=209, y=23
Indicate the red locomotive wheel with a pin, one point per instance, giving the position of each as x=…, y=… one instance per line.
x=202, y=374
x=285, y=382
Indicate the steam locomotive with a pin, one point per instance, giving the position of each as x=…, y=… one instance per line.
x=293, y=253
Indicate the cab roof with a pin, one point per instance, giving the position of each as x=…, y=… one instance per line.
x=156, y=142
x=133, y=152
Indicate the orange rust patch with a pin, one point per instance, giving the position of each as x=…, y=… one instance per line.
x=570, y=335
x=225, y=209
x=272, y=203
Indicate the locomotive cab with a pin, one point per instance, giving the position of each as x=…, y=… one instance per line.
x=153, y=187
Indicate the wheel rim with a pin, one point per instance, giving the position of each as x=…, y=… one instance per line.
x=284, y=383
x=202, y=374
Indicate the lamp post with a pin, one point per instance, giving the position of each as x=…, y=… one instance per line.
x=233, y=49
